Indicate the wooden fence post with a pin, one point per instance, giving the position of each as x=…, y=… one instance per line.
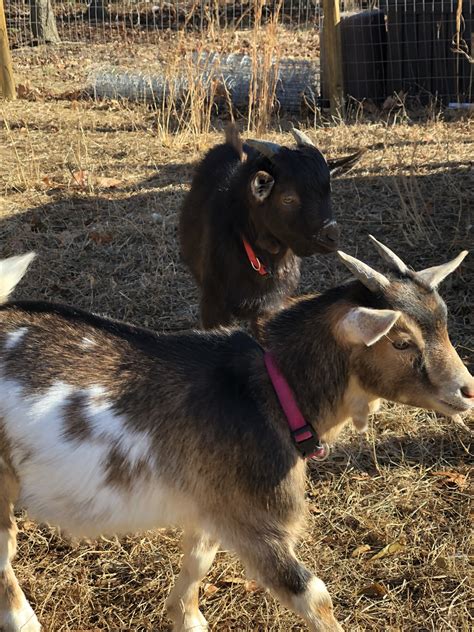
x=333, y=56
x=7, y=85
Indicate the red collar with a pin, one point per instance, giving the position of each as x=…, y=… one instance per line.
x=255, y=262
x=303, y=435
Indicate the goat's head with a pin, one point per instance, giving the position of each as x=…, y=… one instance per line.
x=292, y=199
x=396, y=326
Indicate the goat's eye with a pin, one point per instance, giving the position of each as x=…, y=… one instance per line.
x=288, y=199
x=401, y=345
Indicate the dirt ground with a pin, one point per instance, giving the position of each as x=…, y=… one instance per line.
x=95, y=190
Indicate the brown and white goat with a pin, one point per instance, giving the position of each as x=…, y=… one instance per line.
x=109, y=428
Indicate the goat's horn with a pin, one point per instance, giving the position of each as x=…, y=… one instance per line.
x=389, y=256
x=433, y=276
x=264, y=147
x=372, y=279
x=301, y=139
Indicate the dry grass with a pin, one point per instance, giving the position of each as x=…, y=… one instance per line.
x=69, y=65
x=114, y=250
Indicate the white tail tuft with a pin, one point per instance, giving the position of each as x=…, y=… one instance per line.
x=11, y=272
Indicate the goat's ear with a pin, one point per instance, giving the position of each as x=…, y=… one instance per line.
x=11, y=272
x=362, y=325
x=262, y=185
x=342, y=165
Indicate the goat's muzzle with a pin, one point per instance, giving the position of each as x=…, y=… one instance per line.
x=327, y=239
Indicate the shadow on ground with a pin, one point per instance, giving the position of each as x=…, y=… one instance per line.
x=117, y=252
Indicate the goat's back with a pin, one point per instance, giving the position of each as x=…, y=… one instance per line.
x=112, y=428
x=208, y=195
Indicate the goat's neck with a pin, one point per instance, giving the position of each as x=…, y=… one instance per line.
x=261, y=238
x=319, y=371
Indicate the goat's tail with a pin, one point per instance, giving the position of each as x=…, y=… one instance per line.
x=11, y=272
x=232, y=137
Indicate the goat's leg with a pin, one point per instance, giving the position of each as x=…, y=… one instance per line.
x=16, y=614
x=182, y=604
x=276, y=567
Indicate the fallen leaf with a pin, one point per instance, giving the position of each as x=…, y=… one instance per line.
x=105, y=183
x=210, y=589
x=390, y=549
x=51, y=184
x=47, y=181
x=80, y=178
x=100, y=238
x=21, y=91
x=360, y=550
x=26, y=92
x=453, y=477
x=71, y=95
x=83, y=179
x=374, y=590
x=252, y=586
x=363, y=476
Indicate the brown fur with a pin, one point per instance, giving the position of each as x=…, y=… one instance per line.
x=233, y=138
x=76, y=425
x=204, y=399
x=120, y=473
x=11, y=595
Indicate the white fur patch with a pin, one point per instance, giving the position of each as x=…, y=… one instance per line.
x=87, y=342
x=13, y=338
x=22, y=620
x=316, y=592
x=63, y=482
x=307, y=604
x=4, y=549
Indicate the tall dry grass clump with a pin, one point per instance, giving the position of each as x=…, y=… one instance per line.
x=265, y=61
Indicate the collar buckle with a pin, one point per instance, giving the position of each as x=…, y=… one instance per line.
x=309, y=445
x=321, y=453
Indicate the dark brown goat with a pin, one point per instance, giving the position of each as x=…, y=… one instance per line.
x=109, y=428
x=252, y=211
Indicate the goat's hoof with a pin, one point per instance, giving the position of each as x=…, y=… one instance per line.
x=192, y=624
x=186, y=622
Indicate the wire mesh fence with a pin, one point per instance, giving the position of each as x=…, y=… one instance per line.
x=410, y=51
x=99, y=20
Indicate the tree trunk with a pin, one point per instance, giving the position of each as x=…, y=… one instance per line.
x=43, y=22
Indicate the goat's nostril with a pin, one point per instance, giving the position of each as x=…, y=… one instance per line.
x=468, y=391
x=331, y=232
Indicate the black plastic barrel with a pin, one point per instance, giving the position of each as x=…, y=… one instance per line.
x=421, y=49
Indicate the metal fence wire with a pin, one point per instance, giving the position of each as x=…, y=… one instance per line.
x=406, y=49
x=100, y=20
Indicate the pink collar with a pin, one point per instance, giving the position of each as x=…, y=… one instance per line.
x=303, y=435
